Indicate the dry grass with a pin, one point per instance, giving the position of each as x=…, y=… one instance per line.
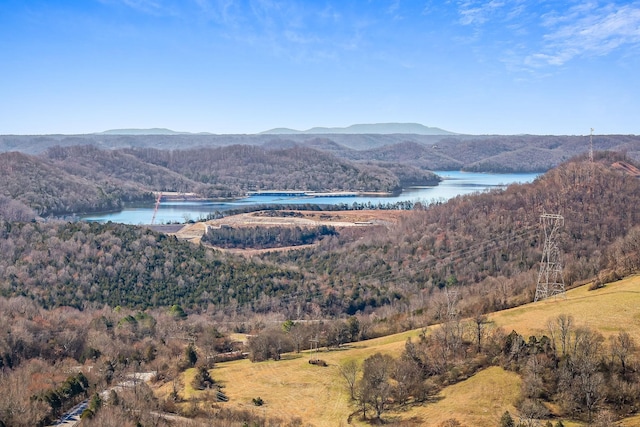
x=479, y=401
x=609, y=310
x=294, y=388
x=631, y=422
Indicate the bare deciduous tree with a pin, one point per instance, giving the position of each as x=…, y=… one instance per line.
x=349, y=371
x=622, y=347
x=374, y=388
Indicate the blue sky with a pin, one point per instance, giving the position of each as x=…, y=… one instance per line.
x=224, y=66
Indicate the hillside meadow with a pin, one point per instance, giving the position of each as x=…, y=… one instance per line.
x=294, y=389
x=609, y=309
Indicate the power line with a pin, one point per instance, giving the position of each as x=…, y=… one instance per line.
x=459, y=255
x=467, y=253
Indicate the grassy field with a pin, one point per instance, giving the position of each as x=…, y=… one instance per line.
x=610, y=309
x=479, y=401
x=293, y=388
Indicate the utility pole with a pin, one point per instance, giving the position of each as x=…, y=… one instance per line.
x=155, y=210
x=314, y=348
x=591, y=146
x=550, y=280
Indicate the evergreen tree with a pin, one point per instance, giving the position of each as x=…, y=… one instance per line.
x=202, y=380
x=190, y=355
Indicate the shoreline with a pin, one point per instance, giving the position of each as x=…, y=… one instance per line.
x=314, y=194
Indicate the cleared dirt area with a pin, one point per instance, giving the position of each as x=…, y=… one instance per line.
x=337, y=219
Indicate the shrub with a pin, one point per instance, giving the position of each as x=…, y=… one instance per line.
x=507, y=420
x=452, y=422
x=202, y=380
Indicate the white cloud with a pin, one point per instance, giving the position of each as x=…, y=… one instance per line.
x=153, y=7
x=473, y=12
x=536, y=34
x=394, y=10
x=329, y=13
x=588, y=30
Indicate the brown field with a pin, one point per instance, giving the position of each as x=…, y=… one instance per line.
x=294, y=388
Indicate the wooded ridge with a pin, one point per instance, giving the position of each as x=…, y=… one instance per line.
x=487, y=153
x=84, y=178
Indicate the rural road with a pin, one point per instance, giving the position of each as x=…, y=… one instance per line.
x=71, y=418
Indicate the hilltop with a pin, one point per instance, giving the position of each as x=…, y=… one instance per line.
x=373, y=128
x=151, y=131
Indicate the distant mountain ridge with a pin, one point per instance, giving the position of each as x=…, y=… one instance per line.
x=150, y=131
x=373, y=128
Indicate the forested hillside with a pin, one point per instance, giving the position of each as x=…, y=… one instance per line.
x=84, y=178
x=75, y=264
x=412, y=153
x=486, y=245
x=515, y=153
x=122, y=169
x=243, y=167
x=43, y=186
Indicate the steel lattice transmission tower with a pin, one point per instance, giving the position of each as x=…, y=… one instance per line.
x=550, y=279
x=452, y=302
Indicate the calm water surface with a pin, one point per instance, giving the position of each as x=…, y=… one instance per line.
x=455, y=183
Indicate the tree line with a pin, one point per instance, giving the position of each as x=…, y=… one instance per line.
x=265, y=237
x=405, y=205
x=487, y=153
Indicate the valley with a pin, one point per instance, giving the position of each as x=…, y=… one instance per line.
x=280, y=285
x=288, y=213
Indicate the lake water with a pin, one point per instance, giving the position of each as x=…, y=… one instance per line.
x=455, y=183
